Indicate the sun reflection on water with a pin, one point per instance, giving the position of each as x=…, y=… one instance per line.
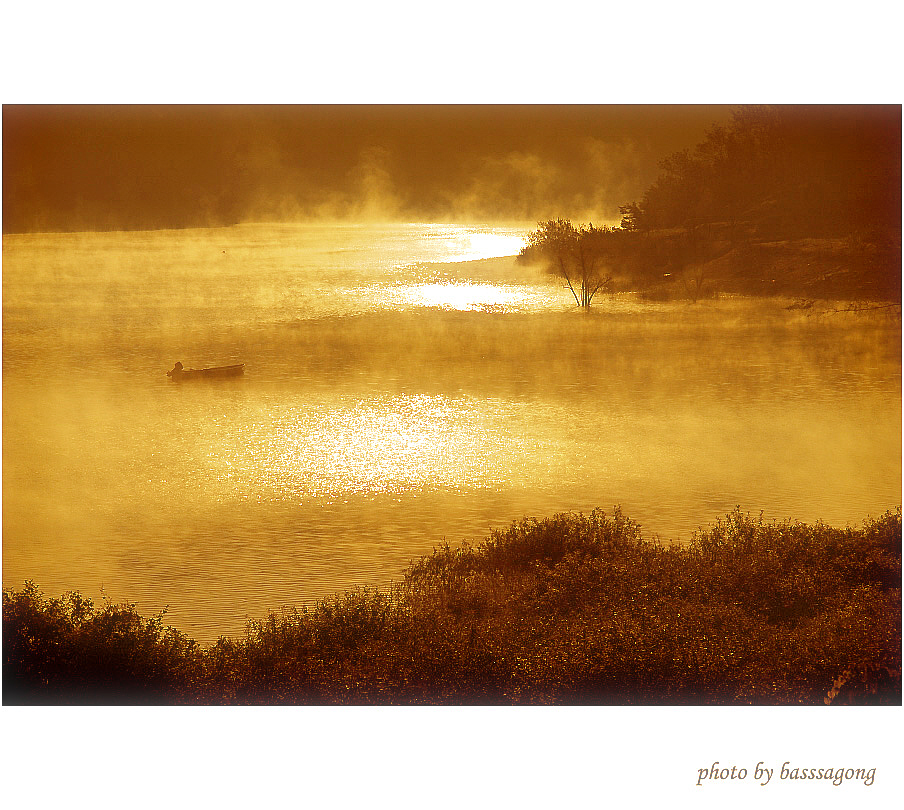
x=465, y=296
x=488, y=245
x=387, y=445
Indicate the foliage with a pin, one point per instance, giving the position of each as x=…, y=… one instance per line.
x=737, y=211
x=67, y=650
x=571, y=609
x=789, y=171
x=579, y=255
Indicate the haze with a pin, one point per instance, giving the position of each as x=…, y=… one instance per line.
x=145, y=167
x=399, y=286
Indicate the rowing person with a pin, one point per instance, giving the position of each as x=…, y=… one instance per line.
x=176, y=371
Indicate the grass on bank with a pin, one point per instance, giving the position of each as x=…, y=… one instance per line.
x=571, y=609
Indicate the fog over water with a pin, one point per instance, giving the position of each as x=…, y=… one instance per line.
x=404, y=384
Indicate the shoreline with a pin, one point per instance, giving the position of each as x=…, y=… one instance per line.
x=564, y=596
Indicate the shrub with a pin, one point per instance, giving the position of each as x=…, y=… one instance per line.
x=67, y=650
x=567, y=609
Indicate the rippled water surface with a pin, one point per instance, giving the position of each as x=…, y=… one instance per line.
x=398, y=392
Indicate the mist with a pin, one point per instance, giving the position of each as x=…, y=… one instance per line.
x=416, y=368
x=146, y=167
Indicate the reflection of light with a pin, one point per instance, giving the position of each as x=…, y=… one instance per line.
x=457, y=244
x=463, y=296
x=489, y=245
x=388, y=445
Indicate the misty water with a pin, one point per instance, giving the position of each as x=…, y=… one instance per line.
x=404, y=385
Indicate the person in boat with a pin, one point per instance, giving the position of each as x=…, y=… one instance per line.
x=176, y=371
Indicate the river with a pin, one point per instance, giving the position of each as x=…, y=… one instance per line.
x=405, y=385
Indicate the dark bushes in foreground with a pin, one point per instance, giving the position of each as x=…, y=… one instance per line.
x=571, y=609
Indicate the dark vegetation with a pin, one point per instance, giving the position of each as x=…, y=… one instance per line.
x=570, y=610
x=796, y=201
x=578, y=255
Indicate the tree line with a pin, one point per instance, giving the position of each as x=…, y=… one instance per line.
x=773, y=176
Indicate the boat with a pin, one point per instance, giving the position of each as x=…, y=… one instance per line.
x=180, y=373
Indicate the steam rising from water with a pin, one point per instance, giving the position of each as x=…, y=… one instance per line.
x=122, y=167
x=397, y=393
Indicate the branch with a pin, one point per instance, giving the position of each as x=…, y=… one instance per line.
x=852, y=307
x=568, y=280
x=603, y=282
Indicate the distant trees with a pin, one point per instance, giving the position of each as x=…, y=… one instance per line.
x=631, y=215
x=741, y=210
x=579, y=255
x=787, y=171
x=690, y=251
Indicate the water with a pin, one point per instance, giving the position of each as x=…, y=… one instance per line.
x=398, y=393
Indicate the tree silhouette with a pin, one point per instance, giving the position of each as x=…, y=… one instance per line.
x=789, y=171
x=576, y=254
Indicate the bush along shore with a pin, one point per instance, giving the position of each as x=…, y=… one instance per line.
x=572, y=609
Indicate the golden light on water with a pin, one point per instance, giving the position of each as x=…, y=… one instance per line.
x=458, y=296
x=489, y=245
x=463, y=244
x=465, y=296
x=387, y=445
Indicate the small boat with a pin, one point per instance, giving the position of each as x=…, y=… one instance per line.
x=181, y=373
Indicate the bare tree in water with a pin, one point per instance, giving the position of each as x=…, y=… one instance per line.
x=576, y=254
